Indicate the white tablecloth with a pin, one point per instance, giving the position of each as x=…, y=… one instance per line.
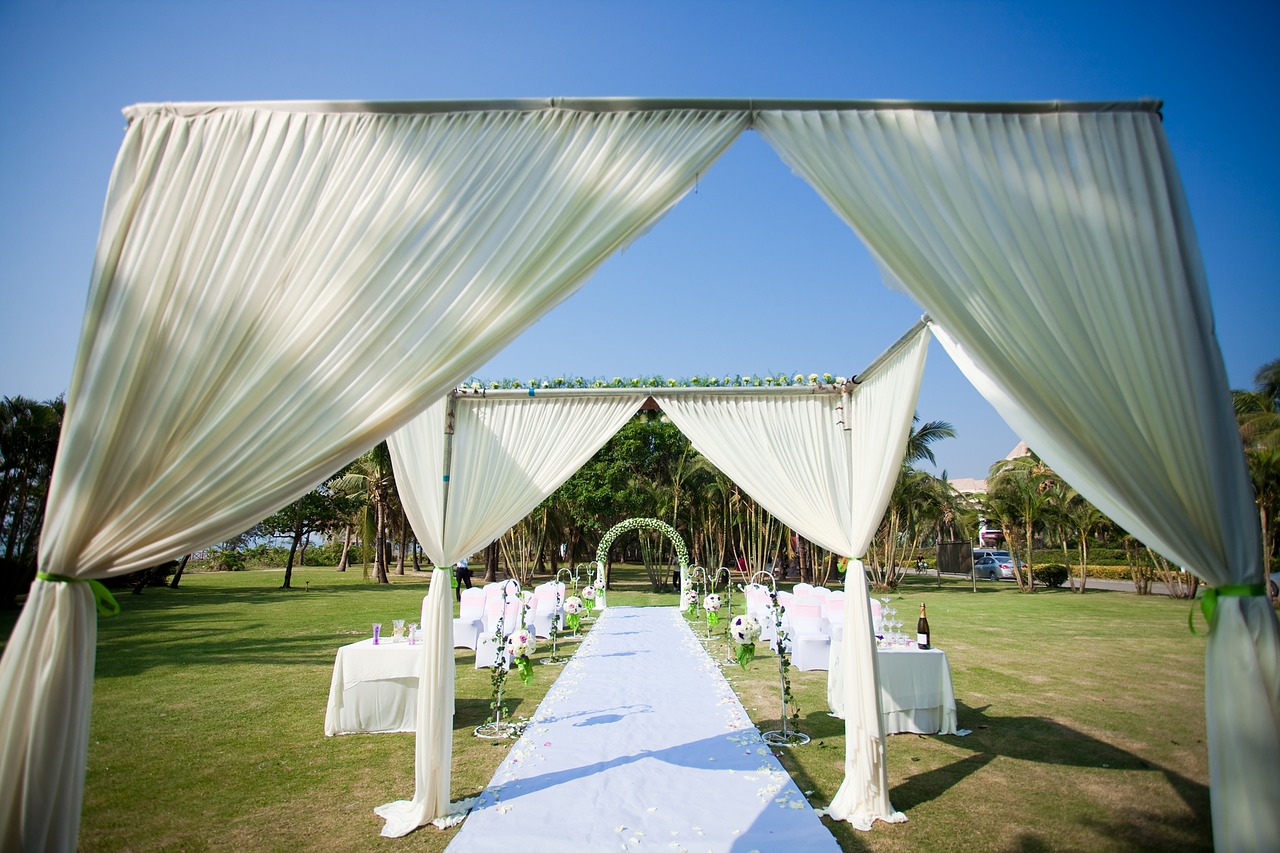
x=374, y=688
x=915, y=690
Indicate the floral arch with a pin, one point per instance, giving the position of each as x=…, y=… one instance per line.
x=682, y=551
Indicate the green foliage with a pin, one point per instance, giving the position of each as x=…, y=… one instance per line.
x=226, y=560
x=1051, y=575
x=29, y=433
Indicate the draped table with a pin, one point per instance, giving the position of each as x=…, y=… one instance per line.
x=915, y=690
x=374, y=688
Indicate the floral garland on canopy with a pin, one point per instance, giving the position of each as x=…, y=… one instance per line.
x=779, y=380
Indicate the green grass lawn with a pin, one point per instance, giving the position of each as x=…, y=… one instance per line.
x=208, y=721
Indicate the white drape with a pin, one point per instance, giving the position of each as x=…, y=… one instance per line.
x=825, y=465
x=273, y=292
x=508, y=454
x=1057, y=253
x=496, y=461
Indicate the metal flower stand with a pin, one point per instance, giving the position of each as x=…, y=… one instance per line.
x=554, y=658
x=587, y=618
x=498, y=728
x=729, y=657
x=785, y=736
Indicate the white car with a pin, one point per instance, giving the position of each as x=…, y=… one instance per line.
x=995, y=568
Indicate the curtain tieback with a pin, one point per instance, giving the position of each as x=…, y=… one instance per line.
x=105, y=601
x=1209, y=601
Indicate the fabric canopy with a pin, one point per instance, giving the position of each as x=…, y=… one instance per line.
x=278, y=287
x=471, y=466
x=825, y=465
x=467, y=469
x=275, y=291
x=1055, y=254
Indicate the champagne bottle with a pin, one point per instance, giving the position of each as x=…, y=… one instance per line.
x=922, y=629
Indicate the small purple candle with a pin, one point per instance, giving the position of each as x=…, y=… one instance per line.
x=377, y=632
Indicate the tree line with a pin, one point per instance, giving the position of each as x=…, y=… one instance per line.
x=650, y=469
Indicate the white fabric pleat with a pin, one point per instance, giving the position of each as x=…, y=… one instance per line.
x=433, y=733
x=825, y=465
x=274, y=292
x=507, y=456
x=1057, y=253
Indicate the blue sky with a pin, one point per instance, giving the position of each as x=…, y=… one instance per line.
x=750, y=274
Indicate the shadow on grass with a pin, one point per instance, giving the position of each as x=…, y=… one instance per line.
x=1032, y=739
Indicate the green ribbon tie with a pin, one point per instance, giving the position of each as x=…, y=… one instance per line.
x=1209, y=601
x=105, y=601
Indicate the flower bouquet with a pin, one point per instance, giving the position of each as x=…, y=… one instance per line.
x=589, y=593
x=691, y=597
x=745, y=630
x=573, y=608
x=711, y=604
x=520, y=645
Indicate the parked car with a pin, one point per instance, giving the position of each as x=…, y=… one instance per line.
x=995, y=568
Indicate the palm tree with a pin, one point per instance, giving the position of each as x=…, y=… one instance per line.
x=920, y=439
x=1020, y=493
x=371, y=481
x=1258, y=414
x=29, y=434
x=1084, y=519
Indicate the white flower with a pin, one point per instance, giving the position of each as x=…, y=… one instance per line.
x=711, y=602
x=573, y=604
x=589, y=593
x=799, y=377
x=691, y=597
x=840, y=380
x=745, y=629
x=599, y=584
x=826, y=377
x=521, y=643
x=813, y=377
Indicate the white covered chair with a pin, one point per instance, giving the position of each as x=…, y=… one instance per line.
x=802, y=589
x=470, y=619
x=546, y=612
x=810, y=643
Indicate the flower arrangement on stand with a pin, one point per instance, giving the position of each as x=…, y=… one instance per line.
x=744, y=630
x=573, y=608
x=690, y=599
x=711, y=604
x=520, y=645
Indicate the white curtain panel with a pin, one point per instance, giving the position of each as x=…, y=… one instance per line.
x=433, y=732
x=1057, y=253
x=825, y=465
x=507, y=455
x=274, y=291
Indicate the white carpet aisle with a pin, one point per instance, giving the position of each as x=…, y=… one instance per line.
x=641, y=745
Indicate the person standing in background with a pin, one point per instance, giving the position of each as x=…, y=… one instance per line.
x=463, y=575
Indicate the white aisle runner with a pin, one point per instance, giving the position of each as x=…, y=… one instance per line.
x=641, y=745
